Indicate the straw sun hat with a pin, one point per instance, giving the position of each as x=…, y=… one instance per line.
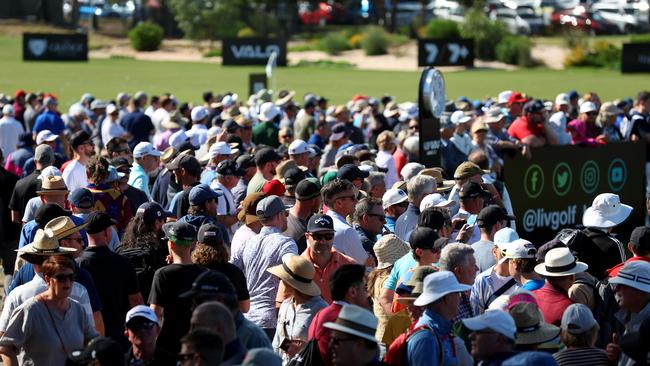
x=298, y=273
x=389, y=249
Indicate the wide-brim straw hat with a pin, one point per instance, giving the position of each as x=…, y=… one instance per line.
x=531, y=328
x=63, y=226
x=53, y=185
x=170, y=123
x=286, y=99
x=298, y=273
x=45, y=243
x=560, y=262
x=388, y=249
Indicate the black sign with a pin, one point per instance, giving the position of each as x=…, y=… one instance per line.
x=446, y=52
x=431, y=91
x=256, y=82
x=635, y=57
x=252, y=51
x=552, y=190
x=55, y=47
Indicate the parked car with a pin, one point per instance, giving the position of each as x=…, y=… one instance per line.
x=514, y=23
x=615, y=14
x=529, y=15
x=591, y=23
x=450, y=10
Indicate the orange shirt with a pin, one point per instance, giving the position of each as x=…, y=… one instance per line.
x=322, y=275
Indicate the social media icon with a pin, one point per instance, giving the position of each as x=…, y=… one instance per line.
x=562, y=179
x=534, y=181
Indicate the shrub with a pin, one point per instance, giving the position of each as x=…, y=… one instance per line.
x=146, y=36
x=246, y=32
x=355, y=40
x=441, y=28
x=375, y=41
x=640, y=38
x=601, y=54
x=514, y=50
x=207, y=20
x=487, y=34
x=333, y=43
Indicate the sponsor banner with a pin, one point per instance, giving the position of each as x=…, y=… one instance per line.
x=635, y=57
x=446, y=52
x=553, y=189
x=252, y=51
x=55, y=47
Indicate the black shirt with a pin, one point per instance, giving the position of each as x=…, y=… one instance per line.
x=296, y=229
x=184, y=200
x=168, y=283
x=236, y=276
x=9, y=231
x=24, y=190
x=136, y=197
x=160, y=358
x=115, y=280
x=138, y=125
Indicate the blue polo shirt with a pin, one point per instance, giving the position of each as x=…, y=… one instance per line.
x=50, y=120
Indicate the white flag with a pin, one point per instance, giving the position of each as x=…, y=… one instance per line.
x=271, y=63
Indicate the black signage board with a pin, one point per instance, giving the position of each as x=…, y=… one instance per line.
x=256, y=82
x=252, y=51
x=635, y=57
x=55, y=47
x=446, y=52
x=429, y=123
x=552, y=190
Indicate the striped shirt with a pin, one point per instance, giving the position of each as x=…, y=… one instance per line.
x=585, y=356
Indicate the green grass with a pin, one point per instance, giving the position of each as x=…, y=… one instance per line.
x=106, y=77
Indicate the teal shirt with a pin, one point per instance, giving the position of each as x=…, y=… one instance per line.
x=139, y=179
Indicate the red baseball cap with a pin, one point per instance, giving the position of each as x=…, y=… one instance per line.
x=273, y=188
x=20, y=93
x=516, y=97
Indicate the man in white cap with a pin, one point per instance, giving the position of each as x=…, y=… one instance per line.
x=198, y=134
x=299, y=152
x=266, y=132
x=142, y=328
x=558, y=120
x=146, y=159
x=11, y=130
x=111, y=127
x=440, y=299
x=353, y=342
x=218, y=152
x=461, y=138
x=598, y=247
x=395, y=202
x=492, y=336
x=50, y=120
x=632, y=286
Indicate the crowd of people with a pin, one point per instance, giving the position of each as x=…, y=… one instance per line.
x=273, y=231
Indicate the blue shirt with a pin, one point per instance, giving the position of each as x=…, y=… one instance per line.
x=139, y=179
x=317, y=140
x=138, y=125
x=50, y=120
x=28, y=232
x=400, y=268
x=533, y=285
x=208, y=175
x=423, y=348
x=390, y=224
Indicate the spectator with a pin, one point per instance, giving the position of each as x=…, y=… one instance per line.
x=417, y=188
x=461, y=138
x=305, y=123
x=308, y=202
x=639, y=245
x=27, y=186
x=521, y=265
x=15, y=161
x=532, y=331
x=138, y=125
x=639, y=125
x=147, y=159
x=338, y=138
x=251, y=224
x=353, y=338
x=228, y=174
x=472, y=199
x=198, y=134
x=376, y=183
x=142, y=330
x=532, y=128
x=321, y=135
x=82, y=204
x=107, y=197
x=266, y=133
x=292, y=177
x=299, y=152
x=369, y=219
x=187, y=170
x=136, y=196
x=216, y=317
x=218, y=152
x=353, y=174
x=490, y=220
x=50, y=120
x=246, y=163
x=459, y=259
x=493, y=336
x=515, y=104
x=111, y=128
x=559, y=120
x=395, y=202
x=606, y=120
x=285, y=136
x=266, y=160
x=579, y=333
x=559, y=268
x=296, y=311
x=497, y=137
x=386, y=146
x=202, y=347
x=32, y=110
x=479, y=143
x=584, y=130
x=83, y=148
x=11, y=130
x=118, y=147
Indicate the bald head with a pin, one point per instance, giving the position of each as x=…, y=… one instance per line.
x=215, y=316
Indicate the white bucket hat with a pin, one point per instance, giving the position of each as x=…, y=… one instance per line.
x=606, y=211
x=356, y=321
x=268, y=111
x=634, y=274
x=560, y=262
x=437, y=285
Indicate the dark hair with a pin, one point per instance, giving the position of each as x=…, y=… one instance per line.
x=343, y=278
x=346, y=159
x=207, y=255
x=334, y=188
x=56, y=263
x=525, y=265
x=365, y=155
x=154, y=99
x=479, y=158
x=207, y=96
x=97, y=169
x=364, y=207
x=113, y=145
x=206, y=343
x=138, y=232
x=642, y=96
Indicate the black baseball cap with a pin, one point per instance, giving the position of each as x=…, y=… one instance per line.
x=185, y=161
x=98, y=222
x=473, y=190
x=319, y=223
x=26, y=140
x=293, y=176
x=48, y=212
x=230, y=126
x=492, y=214
x=351, y=172
x=209, y=234
x=79, y=138
x=640, y=240
x=152, y=211
x=186, y=145
x=246, y=161
x=266, y=155
x=534, y=106
x=121, y=164
x=210, y=283
x=180, y=232
x=103, y=349
x=431, y=218
x=82, y=198
x=307, y=189
x=423, y=238
x=230, y=167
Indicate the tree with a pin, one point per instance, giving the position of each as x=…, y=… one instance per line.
x=208, y=19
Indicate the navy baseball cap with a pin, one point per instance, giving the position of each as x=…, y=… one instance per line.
x=152, y=211
x=351, y=172
x=534, y=106
x=320, y=223
x=230, y=167
x=180, y=232
x=202, y=193
x=473, y=190
x=209, y=234
x=82, y=198
x=98, y=222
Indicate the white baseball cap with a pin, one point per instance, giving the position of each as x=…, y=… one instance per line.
x=577, y=318
x=438, y=285
x=459, y=117
x=177, y=138
x=587, y=107
x=143, y=312
x=298, y=147
x=111, y=108
x=521, y=249
x=504, y=238
x=410, y=170
x=392, y=197
x=229, y=100
x=144, y=149
x=199, y=113
x=219, y=148
x=562, y=99
x=634, y=274
x=496, y=320
x=504, y=96
x=435, y=200
x=45, y=135
x=8, y=109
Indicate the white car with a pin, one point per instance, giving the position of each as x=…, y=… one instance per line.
x=615, y=14
x=529, y=15
x=514, y=23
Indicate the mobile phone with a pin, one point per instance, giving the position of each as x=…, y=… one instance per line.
x=471, y=220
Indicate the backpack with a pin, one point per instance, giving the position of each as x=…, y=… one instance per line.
x=396, y=353
x=605, y=308
x=574, y=239
x=309, y=355
x=142, y=258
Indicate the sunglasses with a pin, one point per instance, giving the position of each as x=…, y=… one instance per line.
x=142, y=326
x=286, y=136
x=414, y=127
x=62, y=277
x=328, y=236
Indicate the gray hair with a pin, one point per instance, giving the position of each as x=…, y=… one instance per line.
x=455, y=255
x=420, y=186
x=376, y=178
x=364, y=207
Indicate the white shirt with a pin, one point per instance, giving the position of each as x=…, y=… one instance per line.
x=385, y=160
x=198, y=135
x=34, y=287
x=157, y=119
x=110, y=130
x=346, y=239
x=242, y=235
x=225, y=204
x=10, y=131
x=558, y=122
x=463, y=142
x=74, y=175
x=149, y=111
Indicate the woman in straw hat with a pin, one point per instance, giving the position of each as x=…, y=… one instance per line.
x=298, y=310
x=48, y=327
x=388, y=250
x=532, y=331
